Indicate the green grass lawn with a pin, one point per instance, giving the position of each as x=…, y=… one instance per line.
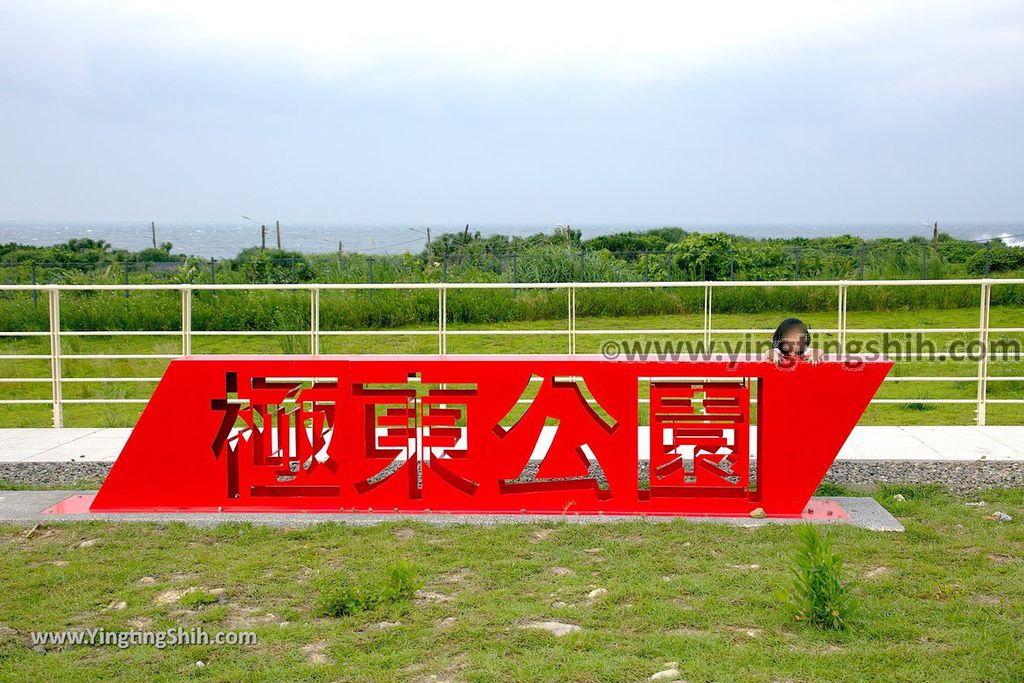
x=910, y=412
x=940, y=602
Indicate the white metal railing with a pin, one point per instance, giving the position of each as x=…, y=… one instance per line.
x=315, y=333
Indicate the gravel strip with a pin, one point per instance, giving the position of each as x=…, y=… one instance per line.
x=956, y=475
x=54, y=474
x=959, y=476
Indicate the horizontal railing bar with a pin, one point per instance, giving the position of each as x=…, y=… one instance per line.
x=930, y=379
x=924, y=400
x=717, y=330
x=248, y=333
x=116, y=356
x=907, y=330
x=957, y=356
x=374, y=333
x=477, y=333
x=105, y=400
x=120, y=333
x=816, y=330
x=89, y=380
x=516, y=285
x=819, y=330
x=700, y=330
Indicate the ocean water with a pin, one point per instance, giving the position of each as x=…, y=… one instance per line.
x=225, y=240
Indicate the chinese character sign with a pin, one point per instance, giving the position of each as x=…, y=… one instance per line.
x=559, y=435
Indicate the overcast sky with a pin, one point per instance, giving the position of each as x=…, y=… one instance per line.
x=546, y=112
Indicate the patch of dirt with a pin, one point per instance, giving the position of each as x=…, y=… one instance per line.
x=404, y=533
x=562, y=571
x=986, y=599
x=242, y=618
x=385, y=625
x=746, y=632
x=876, y=571
x=173, y=595
x=688, y=631
x=816, y=648
x=555, y=628
x=539, y=535
x=456, y=575
x=140, y=623
x=427, y=596
x=37, y=532
x=316, y=653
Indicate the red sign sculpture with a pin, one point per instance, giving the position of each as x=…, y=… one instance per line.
x=488, y=434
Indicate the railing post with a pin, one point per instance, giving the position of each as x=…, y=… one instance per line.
x=571, y=309
x=983, y=326
x=314, y=320
x=186, y=321
x=444, y=321
x=707, y=318
x=55, y=362
x=842, y=319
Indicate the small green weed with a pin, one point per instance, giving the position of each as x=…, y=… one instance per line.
x=340, y=597
x=818, y=594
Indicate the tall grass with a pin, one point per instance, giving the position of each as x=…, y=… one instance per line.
x=287, y=310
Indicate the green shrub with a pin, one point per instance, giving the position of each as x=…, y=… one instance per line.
x=342, y=600
x=818, y=595
x=401, y=583
x=341, y=597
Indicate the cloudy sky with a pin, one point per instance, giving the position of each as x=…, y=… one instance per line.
x=530, y=112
